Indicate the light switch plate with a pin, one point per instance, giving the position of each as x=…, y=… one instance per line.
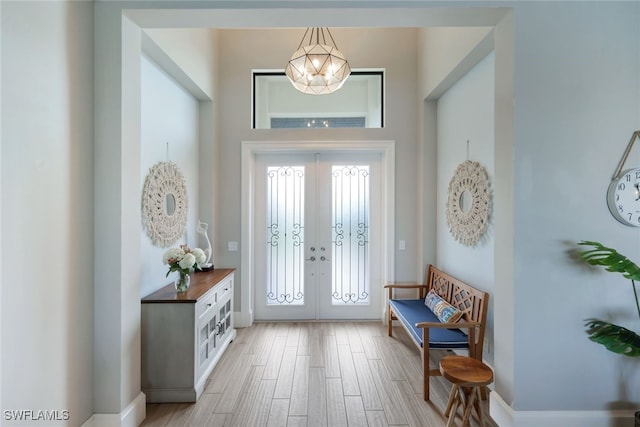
x=232, y=246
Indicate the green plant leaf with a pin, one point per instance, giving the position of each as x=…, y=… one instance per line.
x=610, y=259
x=615, y=338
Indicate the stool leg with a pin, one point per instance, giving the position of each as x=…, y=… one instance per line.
x=452, y=397
x=454, y=409
x=478, y=406
x=470, y=398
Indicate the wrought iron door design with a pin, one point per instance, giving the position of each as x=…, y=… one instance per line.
x=350, y=240
x=285, y=235
x=314, y=242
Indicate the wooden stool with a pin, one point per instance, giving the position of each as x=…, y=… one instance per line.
x=468, y=376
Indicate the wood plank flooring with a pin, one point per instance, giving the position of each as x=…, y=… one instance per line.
x=328, y=374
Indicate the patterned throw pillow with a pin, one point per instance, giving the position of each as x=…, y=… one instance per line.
x=444, y=311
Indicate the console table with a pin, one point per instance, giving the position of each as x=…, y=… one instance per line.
x=184, y=335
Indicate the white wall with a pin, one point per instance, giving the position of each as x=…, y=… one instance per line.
x=117, y=214
x=190, y=56
x=47, y=207
x=1, y=258
x=193, y=50
x=392, y=49
x=465, y=113
x=117, y=396
x=169, y=116
x=445, y=53
x=577, y=102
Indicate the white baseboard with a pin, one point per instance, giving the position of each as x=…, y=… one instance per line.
x=242, y=319
x=501, y=413
x=131, y=416
x=505, y=416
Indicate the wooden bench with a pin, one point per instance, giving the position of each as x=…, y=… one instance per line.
x=423, y=326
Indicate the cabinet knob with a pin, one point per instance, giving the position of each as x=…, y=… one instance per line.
x=209, y=305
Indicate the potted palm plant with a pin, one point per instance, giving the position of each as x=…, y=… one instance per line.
x=614, y=337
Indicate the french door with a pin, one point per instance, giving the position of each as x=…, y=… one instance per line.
x=317, y=236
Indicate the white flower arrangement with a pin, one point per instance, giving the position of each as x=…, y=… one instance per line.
x=183, y=259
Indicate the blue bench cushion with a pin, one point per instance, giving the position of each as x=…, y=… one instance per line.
x=412, y=311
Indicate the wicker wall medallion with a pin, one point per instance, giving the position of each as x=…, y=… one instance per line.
x=164, y=204
x=469, y=203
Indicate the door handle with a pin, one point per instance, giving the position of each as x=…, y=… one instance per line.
x=324, y=258
x=311, y=259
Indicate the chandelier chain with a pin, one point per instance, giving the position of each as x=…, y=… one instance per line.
x=304, y=36
x=332, y=41
x=317, y=31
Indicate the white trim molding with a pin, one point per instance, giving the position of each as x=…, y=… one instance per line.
x=131, y=416
x=242, y=319
x=505, y=416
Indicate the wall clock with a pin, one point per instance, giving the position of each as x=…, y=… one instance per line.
x=469, y=203
x=164, y=204
x=623, y=197
x=623, y=194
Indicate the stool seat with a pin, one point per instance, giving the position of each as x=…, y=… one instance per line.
x=465, y=371
x=467, y=375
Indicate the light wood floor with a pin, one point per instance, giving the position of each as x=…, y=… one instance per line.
x=315, y=374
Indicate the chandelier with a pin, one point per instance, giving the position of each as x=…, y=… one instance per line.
x=317, y=68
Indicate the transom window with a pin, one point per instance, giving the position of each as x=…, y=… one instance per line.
x=358, y=103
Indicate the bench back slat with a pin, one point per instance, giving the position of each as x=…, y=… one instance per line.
x=473, y=302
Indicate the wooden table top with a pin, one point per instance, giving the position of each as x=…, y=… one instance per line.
x=465, y=371
x=201, y=282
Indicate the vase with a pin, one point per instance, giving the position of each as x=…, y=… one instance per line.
x=182, y=282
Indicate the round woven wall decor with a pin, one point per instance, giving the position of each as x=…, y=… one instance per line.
x=469, y=203
x=164, y=204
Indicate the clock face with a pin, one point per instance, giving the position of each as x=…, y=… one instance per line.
x=623, y=197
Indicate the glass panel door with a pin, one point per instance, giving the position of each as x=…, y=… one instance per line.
x=284, y=275
x=350, y=237
x=315, y=240
x=349, y=226
x=285, y=235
